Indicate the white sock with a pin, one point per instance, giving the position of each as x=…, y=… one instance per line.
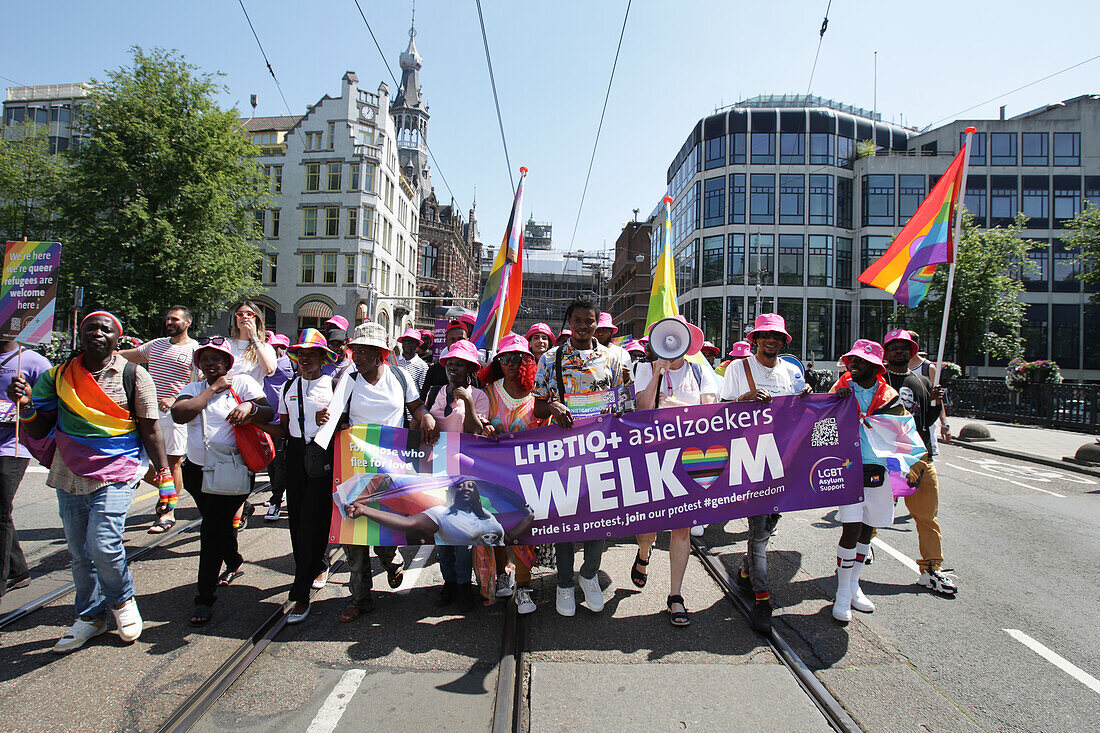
x=845, y=561
x=861, y=551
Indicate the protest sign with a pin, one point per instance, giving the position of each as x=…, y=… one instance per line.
x=439, y=337
x=612, y=477
x=28, y=291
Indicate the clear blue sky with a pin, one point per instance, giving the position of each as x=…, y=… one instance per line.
x=679, y=61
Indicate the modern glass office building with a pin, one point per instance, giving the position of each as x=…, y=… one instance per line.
x=779, y=202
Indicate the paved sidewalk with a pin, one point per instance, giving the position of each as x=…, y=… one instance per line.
x=1029, y=442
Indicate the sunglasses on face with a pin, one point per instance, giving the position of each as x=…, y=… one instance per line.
x=511, y=359
x=245, y=314
x=212, y=341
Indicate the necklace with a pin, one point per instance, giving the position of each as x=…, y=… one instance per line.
x=105, y=366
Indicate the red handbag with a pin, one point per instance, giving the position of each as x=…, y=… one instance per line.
x=256, y=447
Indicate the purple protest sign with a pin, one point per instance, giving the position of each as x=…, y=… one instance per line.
x=439, y=337
x=613, y=477
x=28, y=290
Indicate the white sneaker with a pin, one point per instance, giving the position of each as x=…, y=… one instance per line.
x=79, y=634
x=320, y=581
x=697, y=530
x=524, y=604
x=593, y=594
x=860, y=602
x=938, y=581
x=506, y=585
x=273, y=513
x=566, y=602
x=128, y=620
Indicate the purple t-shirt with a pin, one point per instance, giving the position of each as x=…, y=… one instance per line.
x=273, y=383
x=33, y=365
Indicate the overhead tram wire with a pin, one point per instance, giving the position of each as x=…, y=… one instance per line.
x=271, y=70
x=1017, y=89
x=397, y=85
x=599, y=128
x=820, y=38
x=496, y=99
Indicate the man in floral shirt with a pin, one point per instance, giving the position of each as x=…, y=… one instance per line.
x=579, y=366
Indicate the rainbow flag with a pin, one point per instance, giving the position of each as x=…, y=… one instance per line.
x=662, y=297
x=905, y=270
x=503, y=289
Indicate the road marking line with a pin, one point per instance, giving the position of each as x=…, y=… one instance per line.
x=1057, y=660
x=328, y=717
x=37, y=469
x=143, y=497
x=898, y=555
x=412, y=575
x=1002, y=478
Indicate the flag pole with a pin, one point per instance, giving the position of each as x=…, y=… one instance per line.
x=951, y=270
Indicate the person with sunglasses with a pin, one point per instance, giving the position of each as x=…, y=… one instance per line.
x=458, y=407
x=509, y=383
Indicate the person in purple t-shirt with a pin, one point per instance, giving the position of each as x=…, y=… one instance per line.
x=14, y=459
x=273, y=388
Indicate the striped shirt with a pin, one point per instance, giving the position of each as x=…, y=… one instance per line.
x=170, y=365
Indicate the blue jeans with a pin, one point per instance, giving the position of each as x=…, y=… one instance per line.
x=593, y=551
x=93, y=526
x=456, y=563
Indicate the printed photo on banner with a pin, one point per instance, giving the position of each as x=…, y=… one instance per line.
x=592, y=404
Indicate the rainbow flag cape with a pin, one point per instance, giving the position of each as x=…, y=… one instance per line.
x=504, y=287
x=662, y=296
x=905, y=270
x=94, y=436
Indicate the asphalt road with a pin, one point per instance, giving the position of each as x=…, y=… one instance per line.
x=1018, y=649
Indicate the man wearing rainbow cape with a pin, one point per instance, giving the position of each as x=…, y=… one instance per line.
x=93, y=421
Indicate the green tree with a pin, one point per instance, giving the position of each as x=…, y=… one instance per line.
x=1084, y=236
x=158, y=207
x=30, y=179
x=986, y=310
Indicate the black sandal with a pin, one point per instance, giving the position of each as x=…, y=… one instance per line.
x=229, y=576
x=162, y=525
x=637, y=577
x=201, y=615
x=678, y=618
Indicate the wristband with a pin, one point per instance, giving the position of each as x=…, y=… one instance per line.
x=27, y=415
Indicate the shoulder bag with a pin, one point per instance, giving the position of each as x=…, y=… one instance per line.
x=256, y=447
x=223, y=471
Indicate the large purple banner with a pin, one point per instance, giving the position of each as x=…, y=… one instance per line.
x=613, y=477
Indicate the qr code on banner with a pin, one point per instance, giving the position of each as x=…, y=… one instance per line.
x=825, y=433
x=15, y=324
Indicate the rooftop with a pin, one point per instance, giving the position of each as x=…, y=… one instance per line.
x=801, y=100
x=47, y=91
x=264, y=124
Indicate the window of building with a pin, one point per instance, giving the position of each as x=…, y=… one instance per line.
x=1065, y=334
x=792, y=148
x=1092, y=190
x=844, y=202
x=429, y=256
x=845, y=151
x=910, y=194
x=713, y=254
x=874, y=318
x=735, y=319
x=792, y=255
x=710, y=320
x=307, y=267
x=349, y=269
x=819, y=329
x=368, y=222
x=364, y=268
x=977, y=147
x=353, y=222
x=761, y=259
x=714, y=153
x=1036, y=274
x=1034, y=148
x=275, y=216
x=14, y=115
x=737, y=198
x=1036, y=200
x=822, y=148
x=313, y=141
x=1003, y=198
x=1067, y=148
x=1091, y=337
x=354, y=176
x=821, y=200
x=819, y=270
x=1067, y=269
x=714, y=202
x=791, y=310
x=735, y=259
x=1034, y=331
x=333, y=178
x=332, y=136
x=737, y=147
x=878, y=200
x=1002, y=148
x=763, y=148
x=309, y=221
x=843, y=262
x=368, y=177
x=328, y=268
x=792, y=198
x=269, y=272
x=313, y=176
x=332, y=221
x=975, y=198
x=762, y=199
x=874, y=246
x=364, y=135
x=260, y=215
x=685, y=263
x=842, y=328
x=1067, y=199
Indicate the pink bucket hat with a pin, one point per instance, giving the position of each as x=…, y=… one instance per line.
x=565, y=332
x=311, y=338
x=740, y=350
x=469, y=319
x=411, y=333
x=709, y=347
x=427, y=335
x=868, y=350
x=217, y=343
x=769, y=322
x=459, y=323
x=339, y=322
x=464, y=350
x=605, y=322
x=900, y=334
x=514, y=343
x=277, y=339
x=540, y=328
x=635, y=346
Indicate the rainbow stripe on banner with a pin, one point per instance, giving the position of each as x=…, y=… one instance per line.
x=28, y=290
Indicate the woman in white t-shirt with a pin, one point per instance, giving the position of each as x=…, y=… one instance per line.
x=663, y=384
x=303, y=409
x=211, y=408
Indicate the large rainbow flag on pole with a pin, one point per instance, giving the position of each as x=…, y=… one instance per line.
x=501, y=296
x=662, y=297
x=926, y=240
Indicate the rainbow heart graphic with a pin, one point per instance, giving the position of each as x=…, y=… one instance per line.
x=704, y=467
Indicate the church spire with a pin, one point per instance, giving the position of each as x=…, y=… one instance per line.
x=410, y=115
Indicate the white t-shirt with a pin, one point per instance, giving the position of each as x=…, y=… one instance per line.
x=316, y=395
x=382, y=403
x=777, y=381
x=678, y=386
x=465, y=528
x=218, y=429
x=241, y=365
